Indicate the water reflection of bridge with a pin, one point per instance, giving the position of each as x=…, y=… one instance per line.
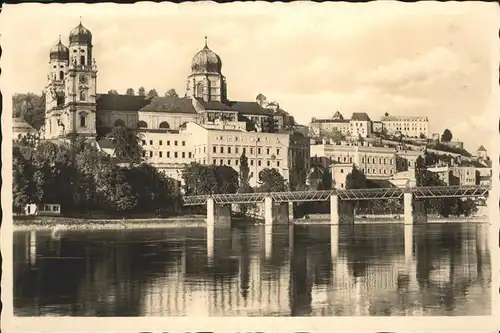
x=309, y=270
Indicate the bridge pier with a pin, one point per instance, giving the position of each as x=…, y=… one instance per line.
x=340, y=212
x=217, y=214
x=276, y=213
x=414, y=210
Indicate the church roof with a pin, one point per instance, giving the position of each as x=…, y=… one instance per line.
x=80, y=34
x=170, y=104
x=214, y=105
x=250, y=108
x=114, y=102
x=206, y=61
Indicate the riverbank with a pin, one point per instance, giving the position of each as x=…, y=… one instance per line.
x=38, y=223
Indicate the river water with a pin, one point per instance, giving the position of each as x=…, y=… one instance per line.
x=248, y=270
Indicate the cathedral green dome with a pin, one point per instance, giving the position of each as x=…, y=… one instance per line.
x=80, y=35
x=206, y=61
x=59, y=52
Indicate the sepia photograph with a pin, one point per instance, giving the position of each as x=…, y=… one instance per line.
x=251, y=159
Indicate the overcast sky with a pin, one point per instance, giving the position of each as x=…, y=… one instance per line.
x=434, y=59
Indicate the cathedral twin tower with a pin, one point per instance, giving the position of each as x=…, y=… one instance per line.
x=71, y=97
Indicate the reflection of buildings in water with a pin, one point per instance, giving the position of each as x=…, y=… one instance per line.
x=32, y=248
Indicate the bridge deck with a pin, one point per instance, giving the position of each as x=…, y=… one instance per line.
x=353, y=194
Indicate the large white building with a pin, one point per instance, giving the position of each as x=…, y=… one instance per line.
x=359, y=125
x=411, y=126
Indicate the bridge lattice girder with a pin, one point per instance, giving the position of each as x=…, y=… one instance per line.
x=346, y=195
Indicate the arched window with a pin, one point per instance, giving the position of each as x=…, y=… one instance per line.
x=142, y=124
x=164, y=124
x=199, y=90
x=82, y=60
x=119, y=122
x=61, y=75
x=83, y=120
x=83, y=95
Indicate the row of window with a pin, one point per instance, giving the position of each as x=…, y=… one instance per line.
x=237, y=161
x=160, y=142
x=237, y=138
x=167, y=154
x=244, y=150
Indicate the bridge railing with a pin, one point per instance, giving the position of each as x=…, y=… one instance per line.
x=344, y=194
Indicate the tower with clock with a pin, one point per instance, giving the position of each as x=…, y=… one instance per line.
x=71, y=90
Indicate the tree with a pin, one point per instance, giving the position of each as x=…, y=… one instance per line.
x=386, y=114
x=152, y=93
x=171, y=93
x=113, y=92
x=227, y=179
x=446, y=136
x=355, y=179
x=271, y=181
x=244, y=183
x=422, y=136
x=261, y=99
x=199, y=179
x=127, y=144
x=336, y=135
x=30, y=107
x=130, y=92
x=142, y=91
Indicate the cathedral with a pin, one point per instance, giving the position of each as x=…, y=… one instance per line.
x=74, y=108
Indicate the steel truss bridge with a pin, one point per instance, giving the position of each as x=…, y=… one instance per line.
x=477, y=191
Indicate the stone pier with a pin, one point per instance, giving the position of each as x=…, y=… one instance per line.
x=218, y=215
x=276, y=213
x=340, y=212
x=414, y=210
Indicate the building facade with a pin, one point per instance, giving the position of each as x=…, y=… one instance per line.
x=359, y=125
x=374, y=162
x=411, y=126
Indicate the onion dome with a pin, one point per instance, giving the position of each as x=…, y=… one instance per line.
x=80, y=35
x=59, y=51
x=206, y=61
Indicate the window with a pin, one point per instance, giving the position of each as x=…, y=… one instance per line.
x=236, y=150
x=251, y=162
x=82, y=60
x=229, y=150
x=183, y=154
x=183, y=143
x=221, y=150
x=244, y=150
x=215, y=149
x=61, y=75
x=160, y=154
x=151, y=142
x=150, y=154
x=258, y=151
x=350, y=159
x=168, y=142
x=341, y=170
x=142, y=124
x=277, y=151
x=168, y=154
x=164, y=124
x=175, y=143
x=267, y=151
x=363, y=160
x=190, y=154
x=228, y=162
x=214, y=161
x=199, y=90
x=221, y=162
x=251, y=150
x=144, y=153
x=259, y=162
x=143, y=142
x=268, y=163
x=236, y=162
x=278, y=163
x=82, y=120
